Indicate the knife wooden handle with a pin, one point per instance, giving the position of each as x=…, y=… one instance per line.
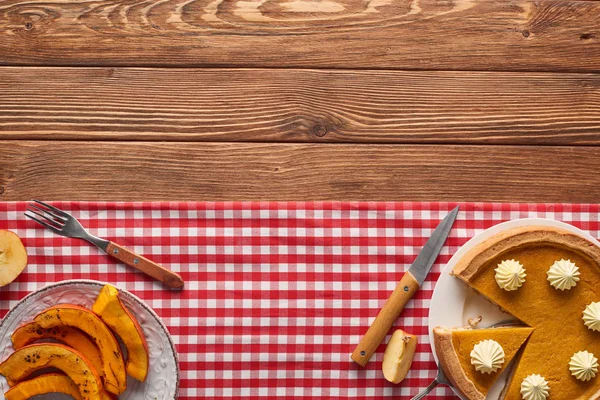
x=148, y=267
x=385, y=319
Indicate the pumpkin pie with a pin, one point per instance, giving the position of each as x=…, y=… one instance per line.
x=454, y=347
x=553, y=308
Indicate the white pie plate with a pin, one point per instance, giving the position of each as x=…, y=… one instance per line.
x=162, y=382
x=453, y=302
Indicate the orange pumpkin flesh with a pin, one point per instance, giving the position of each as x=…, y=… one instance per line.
x=113, y=312
x=23, y=362
x=29, y=333
x=115, y=379
x=43, y=384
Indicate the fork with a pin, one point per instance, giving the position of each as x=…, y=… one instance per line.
x=442, y=379
x=64, y=224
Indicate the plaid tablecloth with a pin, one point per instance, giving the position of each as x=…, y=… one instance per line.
x=277, y=294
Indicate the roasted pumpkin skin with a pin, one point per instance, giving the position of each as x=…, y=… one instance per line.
x=47, y=383
x=72, y=337
x=113, y=312
x=25, y=361
x=115, y=378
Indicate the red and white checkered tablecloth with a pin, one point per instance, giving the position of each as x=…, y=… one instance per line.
x=277, y=294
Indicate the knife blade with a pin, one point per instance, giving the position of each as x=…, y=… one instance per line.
x=409, y=284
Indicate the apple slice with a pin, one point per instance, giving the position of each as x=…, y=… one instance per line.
x=115, y=379
x=13, y=257
x=398, y=356
x=72, y=337
x=29, y=359
x=113, y=312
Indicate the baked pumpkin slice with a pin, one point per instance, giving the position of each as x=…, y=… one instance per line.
x=115, y=378
x=112, y=311
x=31, y=332
x=44, y=384
x=455, y=347
x=551, y=303
x=29, y=359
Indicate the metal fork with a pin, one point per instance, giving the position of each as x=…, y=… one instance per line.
x=442, y=379
x=64, y=224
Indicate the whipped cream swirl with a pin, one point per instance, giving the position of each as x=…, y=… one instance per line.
x=583, y=366
x=510, y=275
x=563, y=275
x=591, y=316
x=487, y=356
x=535, y=387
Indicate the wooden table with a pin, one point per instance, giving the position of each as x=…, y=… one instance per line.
x=489, y=100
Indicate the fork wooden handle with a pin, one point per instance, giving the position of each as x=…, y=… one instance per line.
x=148, y=267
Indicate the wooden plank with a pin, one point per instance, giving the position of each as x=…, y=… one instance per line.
x=299, y=105
x=404, y=34
x=254, y=171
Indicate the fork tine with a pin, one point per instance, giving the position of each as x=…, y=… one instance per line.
x=57, y=210
x=59, y=218
x=58, y=224
x=44, y=224
x=45, y=211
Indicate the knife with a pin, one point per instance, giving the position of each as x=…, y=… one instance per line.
x=408, y=286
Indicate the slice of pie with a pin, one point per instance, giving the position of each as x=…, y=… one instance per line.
x=454, y=346
x=554, y=308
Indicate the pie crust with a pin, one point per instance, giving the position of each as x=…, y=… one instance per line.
x=450, y=360
x=555, y=315
x=468, y=266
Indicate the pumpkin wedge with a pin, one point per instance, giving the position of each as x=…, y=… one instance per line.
x=72, y=337
x=113, y=312
x=25, y=361
x=43, y=384
x=115, y=379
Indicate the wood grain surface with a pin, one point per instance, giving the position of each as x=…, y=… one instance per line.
x=252, y=105
x=56, y=170
x=516, y=35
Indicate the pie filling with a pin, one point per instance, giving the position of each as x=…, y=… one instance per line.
x=511, y=340
x=556, y=316
x=559, y=283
